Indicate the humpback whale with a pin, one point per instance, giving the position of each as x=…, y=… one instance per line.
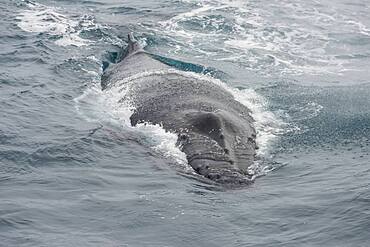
x=214, y=130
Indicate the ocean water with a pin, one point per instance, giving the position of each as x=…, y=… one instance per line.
x=73, y=172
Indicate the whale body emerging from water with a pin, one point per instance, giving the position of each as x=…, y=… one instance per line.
x=214, y=130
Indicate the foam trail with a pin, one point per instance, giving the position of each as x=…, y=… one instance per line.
x=44, y=19
x=251, y=36
x=106, y=106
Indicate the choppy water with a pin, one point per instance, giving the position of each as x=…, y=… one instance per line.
x=74, y=173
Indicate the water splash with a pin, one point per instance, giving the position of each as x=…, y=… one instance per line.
x=106, y=107
x=40, y=18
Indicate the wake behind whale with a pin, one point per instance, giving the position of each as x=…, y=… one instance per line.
x=214, y=130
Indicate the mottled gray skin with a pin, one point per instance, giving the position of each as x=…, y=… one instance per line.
x=214, y=130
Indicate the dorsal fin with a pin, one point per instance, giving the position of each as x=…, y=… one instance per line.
x=133, y=46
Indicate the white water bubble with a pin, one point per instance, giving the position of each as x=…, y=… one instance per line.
x=40, y=18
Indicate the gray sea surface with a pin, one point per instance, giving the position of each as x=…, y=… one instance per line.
x=73, y=172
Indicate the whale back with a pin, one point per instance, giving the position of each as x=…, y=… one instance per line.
x=214, y=130
x=133, y=62
x=132, y=45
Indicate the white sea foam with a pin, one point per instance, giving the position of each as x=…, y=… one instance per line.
x=307, y=111
x=72, y=39
x=250, y=43
x=40, y=18
x=192, y=13
x=106, y=106
x=298, y=43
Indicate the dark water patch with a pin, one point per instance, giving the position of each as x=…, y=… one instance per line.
x=14, y=222
x=189, y=66
x=354, y=38
x=14, y=155
x=112, y=57
x=71, y=68
x=128, y=10
x=13, y=164
x=307, y=172
x=44, y=47
x=23, y=53
x=210, y=24
x=18, y=61
x=329, y=115
x=11, y=38
x=92, y=3
x=123, y=10
x=6, y=136
x=67, y=154
x=94, y=34
x=354, y=56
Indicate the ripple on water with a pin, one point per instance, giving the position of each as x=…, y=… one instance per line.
x=82, y=176
x=271, y=40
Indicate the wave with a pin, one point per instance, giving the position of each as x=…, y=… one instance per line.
x=40, y=18
x=283, y=39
